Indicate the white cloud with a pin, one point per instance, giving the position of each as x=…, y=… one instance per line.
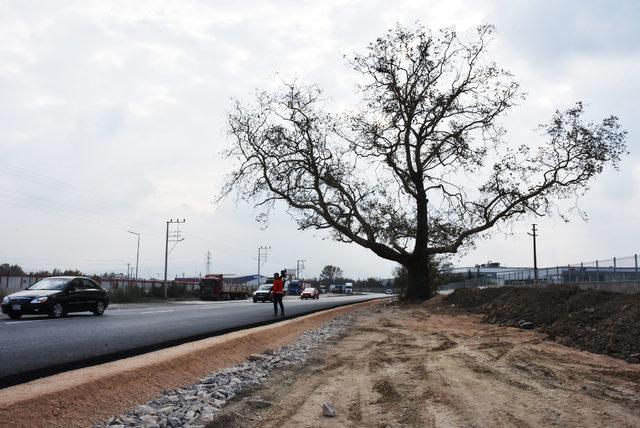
x=126, y=101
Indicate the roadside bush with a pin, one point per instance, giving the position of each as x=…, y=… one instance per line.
x=126, y=294
x=174, y=291
x=133, y=293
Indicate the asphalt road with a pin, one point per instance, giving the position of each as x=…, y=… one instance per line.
x=37, y=346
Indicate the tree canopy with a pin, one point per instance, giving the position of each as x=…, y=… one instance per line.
x=330, y=274
x=422, y=166
x=11, y=270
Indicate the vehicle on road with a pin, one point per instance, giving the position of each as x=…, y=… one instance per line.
x=310, y=293
x=57, y=296
x=213, y=287
x=263, y=294
x=389, y=291
x=294, y=287
x=348, y=288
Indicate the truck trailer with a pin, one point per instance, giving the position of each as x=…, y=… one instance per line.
x=212, y=287
x=295, y=287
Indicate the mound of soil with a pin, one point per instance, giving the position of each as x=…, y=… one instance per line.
x=474, y=299
x=596, y=321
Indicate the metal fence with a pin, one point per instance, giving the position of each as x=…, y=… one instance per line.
x=619, y=274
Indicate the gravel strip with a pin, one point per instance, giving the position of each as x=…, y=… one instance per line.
x=196, y=405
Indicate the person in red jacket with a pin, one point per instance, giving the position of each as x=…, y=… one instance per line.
x=278, y=293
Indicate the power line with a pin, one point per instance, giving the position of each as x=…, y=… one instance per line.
x=51, y=207
x=94, y=199
x=88, y=207
x=39, y=178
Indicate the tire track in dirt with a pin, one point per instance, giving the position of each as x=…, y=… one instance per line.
x=420, y=365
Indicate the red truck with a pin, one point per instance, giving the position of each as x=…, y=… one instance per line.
x=212, y=287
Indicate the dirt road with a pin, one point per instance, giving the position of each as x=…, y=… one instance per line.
x=421, y=366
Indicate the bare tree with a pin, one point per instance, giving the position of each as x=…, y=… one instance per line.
x=421, y=168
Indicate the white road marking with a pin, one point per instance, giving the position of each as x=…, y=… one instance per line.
x=22, y=322
x=207, y=302
x=155, y=312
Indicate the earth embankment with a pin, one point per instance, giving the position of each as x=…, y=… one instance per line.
x=597, y=321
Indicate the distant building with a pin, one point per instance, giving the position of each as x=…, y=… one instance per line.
x=494, y=274
x=569, y=275
x=485, y=270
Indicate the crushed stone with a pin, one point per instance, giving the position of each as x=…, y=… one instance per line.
x=196, y=405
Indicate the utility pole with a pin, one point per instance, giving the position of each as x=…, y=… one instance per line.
x=137, y=251
x=175, y=237
x=128, y=274
x=262, y=257
x=535, y=255
x=299, y=267
x=207, y=261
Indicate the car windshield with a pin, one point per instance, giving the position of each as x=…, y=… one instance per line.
x=50, y=284
x=265, y=287
x=309, y=290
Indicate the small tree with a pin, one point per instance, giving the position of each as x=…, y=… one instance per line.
x=330, y=274
x=421, y=168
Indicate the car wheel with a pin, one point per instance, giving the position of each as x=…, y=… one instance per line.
x=99, y=310
x=57, y=311
x=14, y=315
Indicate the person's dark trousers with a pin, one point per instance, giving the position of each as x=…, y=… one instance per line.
x=277, y=300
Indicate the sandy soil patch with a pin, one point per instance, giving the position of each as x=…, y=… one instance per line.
x=423, y=366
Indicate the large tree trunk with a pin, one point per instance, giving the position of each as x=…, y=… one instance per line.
x=419, y=281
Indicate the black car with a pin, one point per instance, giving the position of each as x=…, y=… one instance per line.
x=56, y=296
x=263, y=293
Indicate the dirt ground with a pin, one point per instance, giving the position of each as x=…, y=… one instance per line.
x=421, y=365
x=598, y=321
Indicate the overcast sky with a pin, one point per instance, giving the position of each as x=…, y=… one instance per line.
x=112, y=119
